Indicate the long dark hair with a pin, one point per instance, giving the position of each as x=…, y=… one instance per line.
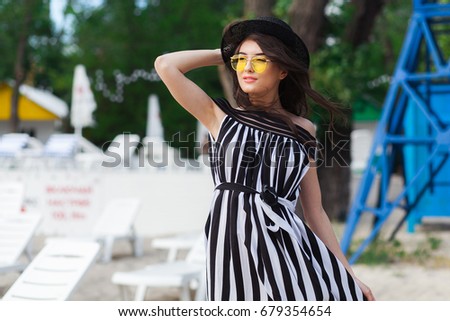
x=294, y=89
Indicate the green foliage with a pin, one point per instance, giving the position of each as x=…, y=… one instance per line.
x=44, y=65
x=281, y=8
x=122, y=36
x=43, y=46
x=384, y=252
x=117, y=36
x=129, y=35
x=353, y=74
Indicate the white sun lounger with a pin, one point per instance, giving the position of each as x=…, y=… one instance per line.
x=16, y=232
x=55, y=272
x=184, y=274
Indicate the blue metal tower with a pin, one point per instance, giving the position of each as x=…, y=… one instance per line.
x=414, y=127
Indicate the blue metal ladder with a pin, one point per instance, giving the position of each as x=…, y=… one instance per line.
x=422, y=72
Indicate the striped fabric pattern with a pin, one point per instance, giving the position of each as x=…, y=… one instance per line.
x=256, y=251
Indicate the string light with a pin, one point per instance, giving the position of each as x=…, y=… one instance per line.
x=381, y=80
x=121, y=80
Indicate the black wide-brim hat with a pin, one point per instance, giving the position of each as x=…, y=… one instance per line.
x=236, y=32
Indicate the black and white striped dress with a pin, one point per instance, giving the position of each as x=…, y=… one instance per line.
x=257, y=247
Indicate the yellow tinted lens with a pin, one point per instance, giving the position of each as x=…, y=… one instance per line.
x=238, y=62
x=259, y=64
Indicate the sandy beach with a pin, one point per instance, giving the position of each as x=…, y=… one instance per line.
x=424, y=275
x=424, y=281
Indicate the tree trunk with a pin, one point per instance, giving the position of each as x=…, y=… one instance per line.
x=360, y=28
x=334, y=171
x=307, y=19
x=258, y=8
x=19, y=66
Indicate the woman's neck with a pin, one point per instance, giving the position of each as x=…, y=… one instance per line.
x=272, y=104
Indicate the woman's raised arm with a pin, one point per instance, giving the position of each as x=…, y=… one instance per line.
x=172, y=68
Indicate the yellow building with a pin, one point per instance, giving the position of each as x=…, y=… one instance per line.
x=40, y=112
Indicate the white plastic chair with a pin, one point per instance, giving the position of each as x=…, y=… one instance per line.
x=55, y=272
x=60, y=150
x=184, y=274
x=61, y=145
x=14, y=147
x=117, y=222
x=176, y=243
x=12, y=144
x=16, y=233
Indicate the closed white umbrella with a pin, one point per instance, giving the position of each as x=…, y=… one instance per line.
x=83, y=102
x=201, y=134
x=157, y=151
x=154, y=124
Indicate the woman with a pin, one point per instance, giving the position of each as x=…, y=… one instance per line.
x=262, y=155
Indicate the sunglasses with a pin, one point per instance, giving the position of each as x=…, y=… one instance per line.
x=259, y=63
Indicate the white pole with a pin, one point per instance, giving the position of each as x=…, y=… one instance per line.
x=154, y=124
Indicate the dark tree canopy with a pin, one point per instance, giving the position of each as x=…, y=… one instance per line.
x=352, y=48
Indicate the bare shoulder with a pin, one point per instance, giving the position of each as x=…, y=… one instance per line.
x=304, y=123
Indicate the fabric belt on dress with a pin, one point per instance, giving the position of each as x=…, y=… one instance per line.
x=269, y=199
x=268, y=194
